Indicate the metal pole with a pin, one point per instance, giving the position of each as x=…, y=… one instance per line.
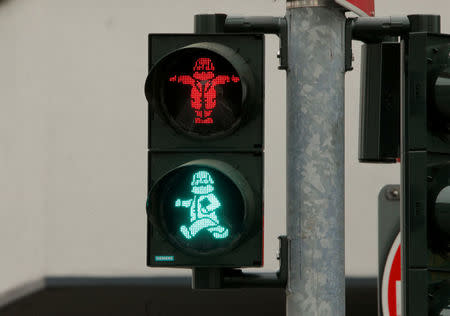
x=315, y=158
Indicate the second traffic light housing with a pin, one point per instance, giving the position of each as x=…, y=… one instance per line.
x=426, y=169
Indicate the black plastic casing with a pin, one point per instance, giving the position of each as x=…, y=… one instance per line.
x=425, y=172
x=247, y=252
x=243, y=149
x=379, y=138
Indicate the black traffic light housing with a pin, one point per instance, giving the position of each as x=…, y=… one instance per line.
x=206, y=106
x=423, y=84
x=425, y=202
x=244, y=249
x=244, y=53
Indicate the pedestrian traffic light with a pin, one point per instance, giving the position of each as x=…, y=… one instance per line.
x=426, y=169
x=205, y=189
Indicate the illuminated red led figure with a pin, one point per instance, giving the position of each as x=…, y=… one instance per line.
x=203, y=92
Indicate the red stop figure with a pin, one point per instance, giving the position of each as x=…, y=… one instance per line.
x=203, y=84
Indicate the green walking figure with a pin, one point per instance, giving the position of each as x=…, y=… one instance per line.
x=203, y=208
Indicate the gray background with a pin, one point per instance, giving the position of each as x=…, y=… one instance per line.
x=73, y=136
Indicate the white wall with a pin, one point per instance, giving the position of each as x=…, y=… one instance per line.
x=23, y=156
x=73, y=141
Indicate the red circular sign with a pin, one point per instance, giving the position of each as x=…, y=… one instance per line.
x=391, y=285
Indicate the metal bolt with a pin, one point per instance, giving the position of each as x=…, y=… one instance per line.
x=393, y=194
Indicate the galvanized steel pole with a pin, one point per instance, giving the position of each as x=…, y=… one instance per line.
x=315, y=158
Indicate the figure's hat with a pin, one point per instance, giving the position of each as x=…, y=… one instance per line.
x=204, y=64
x=202, y=182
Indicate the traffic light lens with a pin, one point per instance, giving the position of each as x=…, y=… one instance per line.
x=202, y=209
x=442, y=211
x=202, y=93
x=444, y=196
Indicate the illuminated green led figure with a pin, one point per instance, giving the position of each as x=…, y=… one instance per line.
x=203, y=208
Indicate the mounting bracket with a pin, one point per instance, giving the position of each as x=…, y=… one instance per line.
x=372, y=30
x=221, y=23
x=222, y=278
x=265, y=25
